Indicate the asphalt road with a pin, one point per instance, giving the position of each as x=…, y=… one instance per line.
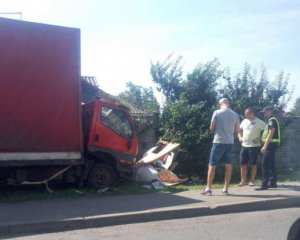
x=261, y=225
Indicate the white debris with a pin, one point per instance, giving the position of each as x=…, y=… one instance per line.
x=156, y=166
x=146, y=174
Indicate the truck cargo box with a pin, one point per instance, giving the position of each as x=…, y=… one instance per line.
x=40, y=110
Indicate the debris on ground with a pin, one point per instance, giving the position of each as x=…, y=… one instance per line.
x=147, y=186
x=194, y=181
x=106, y=189
x=158, y=185
x=157, y=164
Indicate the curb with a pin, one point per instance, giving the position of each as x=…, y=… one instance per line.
x=146, y=216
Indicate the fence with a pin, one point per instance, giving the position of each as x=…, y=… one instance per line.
x=288, y=154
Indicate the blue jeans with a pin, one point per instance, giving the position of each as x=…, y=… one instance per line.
x=220, y=151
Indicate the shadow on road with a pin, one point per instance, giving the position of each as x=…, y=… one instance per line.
x=59, y=209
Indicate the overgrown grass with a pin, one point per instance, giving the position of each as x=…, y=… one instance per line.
x=10, y=194
x=27, y=193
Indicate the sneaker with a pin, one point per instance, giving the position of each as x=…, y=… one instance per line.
x=273, y=185
x=262, y=188
x=225, y=192
x=206, y=192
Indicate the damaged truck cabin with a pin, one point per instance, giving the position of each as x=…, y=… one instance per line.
x=46, y=130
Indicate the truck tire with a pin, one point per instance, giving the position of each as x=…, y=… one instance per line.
x=101, y=175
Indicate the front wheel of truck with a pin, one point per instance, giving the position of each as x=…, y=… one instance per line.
x=101, y=175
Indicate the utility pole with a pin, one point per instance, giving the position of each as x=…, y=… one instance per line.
x=12, y=13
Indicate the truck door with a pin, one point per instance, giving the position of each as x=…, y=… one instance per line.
x=114, y=130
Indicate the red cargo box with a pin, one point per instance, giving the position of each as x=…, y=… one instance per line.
x=40, y=111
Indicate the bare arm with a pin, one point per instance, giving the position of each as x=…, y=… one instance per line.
x=212, y=126
x=238, y=131
x=240, y=135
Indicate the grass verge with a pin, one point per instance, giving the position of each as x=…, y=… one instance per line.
x=28, y=193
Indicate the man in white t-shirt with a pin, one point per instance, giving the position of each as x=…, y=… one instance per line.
x=249, y=136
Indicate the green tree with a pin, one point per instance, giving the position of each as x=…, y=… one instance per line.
x=247, y=90
x=168, y=77
x=147, y=109
x=187, y=111
x=142, y=97
x=296, y=108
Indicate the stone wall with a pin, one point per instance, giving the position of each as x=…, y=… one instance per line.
x=287, y=157
x=288, y=154
x=147, y=140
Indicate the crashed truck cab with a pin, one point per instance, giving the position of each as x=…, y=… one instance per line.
x=110, y=141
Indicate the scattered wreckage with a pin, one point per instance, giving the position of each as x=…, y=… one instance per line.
x=156, y=166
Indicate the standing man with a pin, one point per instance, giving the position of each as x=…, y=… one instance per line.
x=270, y=140
x=249, y=136
x=224, y=123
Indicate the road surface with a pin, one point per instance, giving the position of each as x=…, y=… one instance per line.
x=260, y=225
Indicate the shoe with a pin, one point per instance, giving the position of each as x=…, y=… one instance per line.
x=225, y=192
x=251, y=184
x=206, y=192
x=273, y=185
x=241, y=184
x=261, y=188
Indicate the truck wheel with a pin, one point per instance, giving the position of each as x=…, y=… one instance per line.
x=101, y=175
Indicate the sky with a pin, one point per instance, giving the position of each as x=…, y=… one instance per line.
x=120, y=38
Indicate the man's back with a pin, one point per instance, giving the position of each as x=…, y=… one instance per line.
x=226, y=121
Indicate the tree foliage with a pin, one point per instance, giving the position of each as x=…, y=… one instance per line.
x=188, y=108
x=246, y=90
x=168, y=77
x=146, y=104
x=142, y=97
x=296, y=108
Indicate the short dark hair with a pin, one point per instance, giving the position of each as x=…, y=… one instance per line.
x=250, y=109
x=224, y=100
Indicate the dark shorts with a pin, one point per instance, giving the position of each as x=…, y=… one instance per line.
x=249, y=155
x=220, y=152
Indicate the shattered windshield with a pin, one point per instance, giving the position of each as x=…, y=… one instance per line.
x=117, y=121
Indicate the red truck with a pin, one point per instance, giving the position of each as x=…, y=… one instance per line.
x=46, y=131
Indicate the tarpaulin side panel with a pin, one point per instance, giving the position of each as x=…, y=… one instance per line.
x=39, y=88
